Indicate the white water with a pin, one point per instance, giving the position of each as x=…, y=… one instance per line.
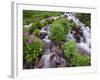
x=70, y=36
x=47, y=41
x=46, y=58
x=84, y=45
x=45, y=31
x=86, y=32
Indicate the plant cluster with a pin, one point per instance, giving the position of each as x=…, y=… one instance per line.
x=85, y=18
x=34, y=50
x=73, y=56
x=59, y=30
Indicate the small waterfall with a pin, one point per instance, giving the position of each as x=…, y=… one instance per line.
x=45, y=29
x=46, y=55
x=70, y=36
x=51, y=59
x=47, y=41
x=46, y=58
x=84, y=46
x=85, y=41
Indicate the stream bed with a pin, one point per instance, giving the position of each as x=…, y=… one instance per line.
x=53, y=55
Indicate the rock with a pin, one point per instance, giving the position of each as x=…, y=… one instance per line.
x=77, y=37
x=25, y=33
x=39, y=63
x=70, y=36
x=42, y=35
x=83, y=48
x=31, y=38
x=63, y=63
x=58, y=59
x=47, y=42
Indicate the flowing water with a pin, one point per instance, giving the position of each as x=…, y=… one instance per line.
x=86, y=45
x=85, y=40
x=46, y=58
x=47, y=41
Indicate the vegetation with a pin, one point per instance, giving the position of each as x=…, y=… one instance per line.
x=36, y=25
x=64, y=22
x=70, y=49
x=85, y=18
x=80, y=60
x=59, y=30
x=73, y=56
x=37, y=33
x=44, y=23
x=30, y=16
x=25, y=29
x=57, y=33
x=59, y=26
x=73, y=25
x=34, y=50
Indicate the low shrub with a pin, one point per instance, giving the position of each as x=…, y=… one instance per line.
x=73, y=25
x=27, y=21
x=80, y=60
x=64, y=22
x=44, y=23
x=37, y=32
x=36, y=25
x=57, y=33
x=73, y=56
x=59, y=30
x=70, y=49
x=34, y=50
x=25, y=29
x=49, y=21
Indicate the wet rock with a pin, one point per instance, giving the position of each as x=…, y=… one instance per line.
x=39, y=63
x=53, y=62
x=77, y=37
x=58, y=59
x=47, y=28
x=80, y=32
x=48, y=58
x=70, y=36
x=63, y=63
x=42, y=35
x=83, y=48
